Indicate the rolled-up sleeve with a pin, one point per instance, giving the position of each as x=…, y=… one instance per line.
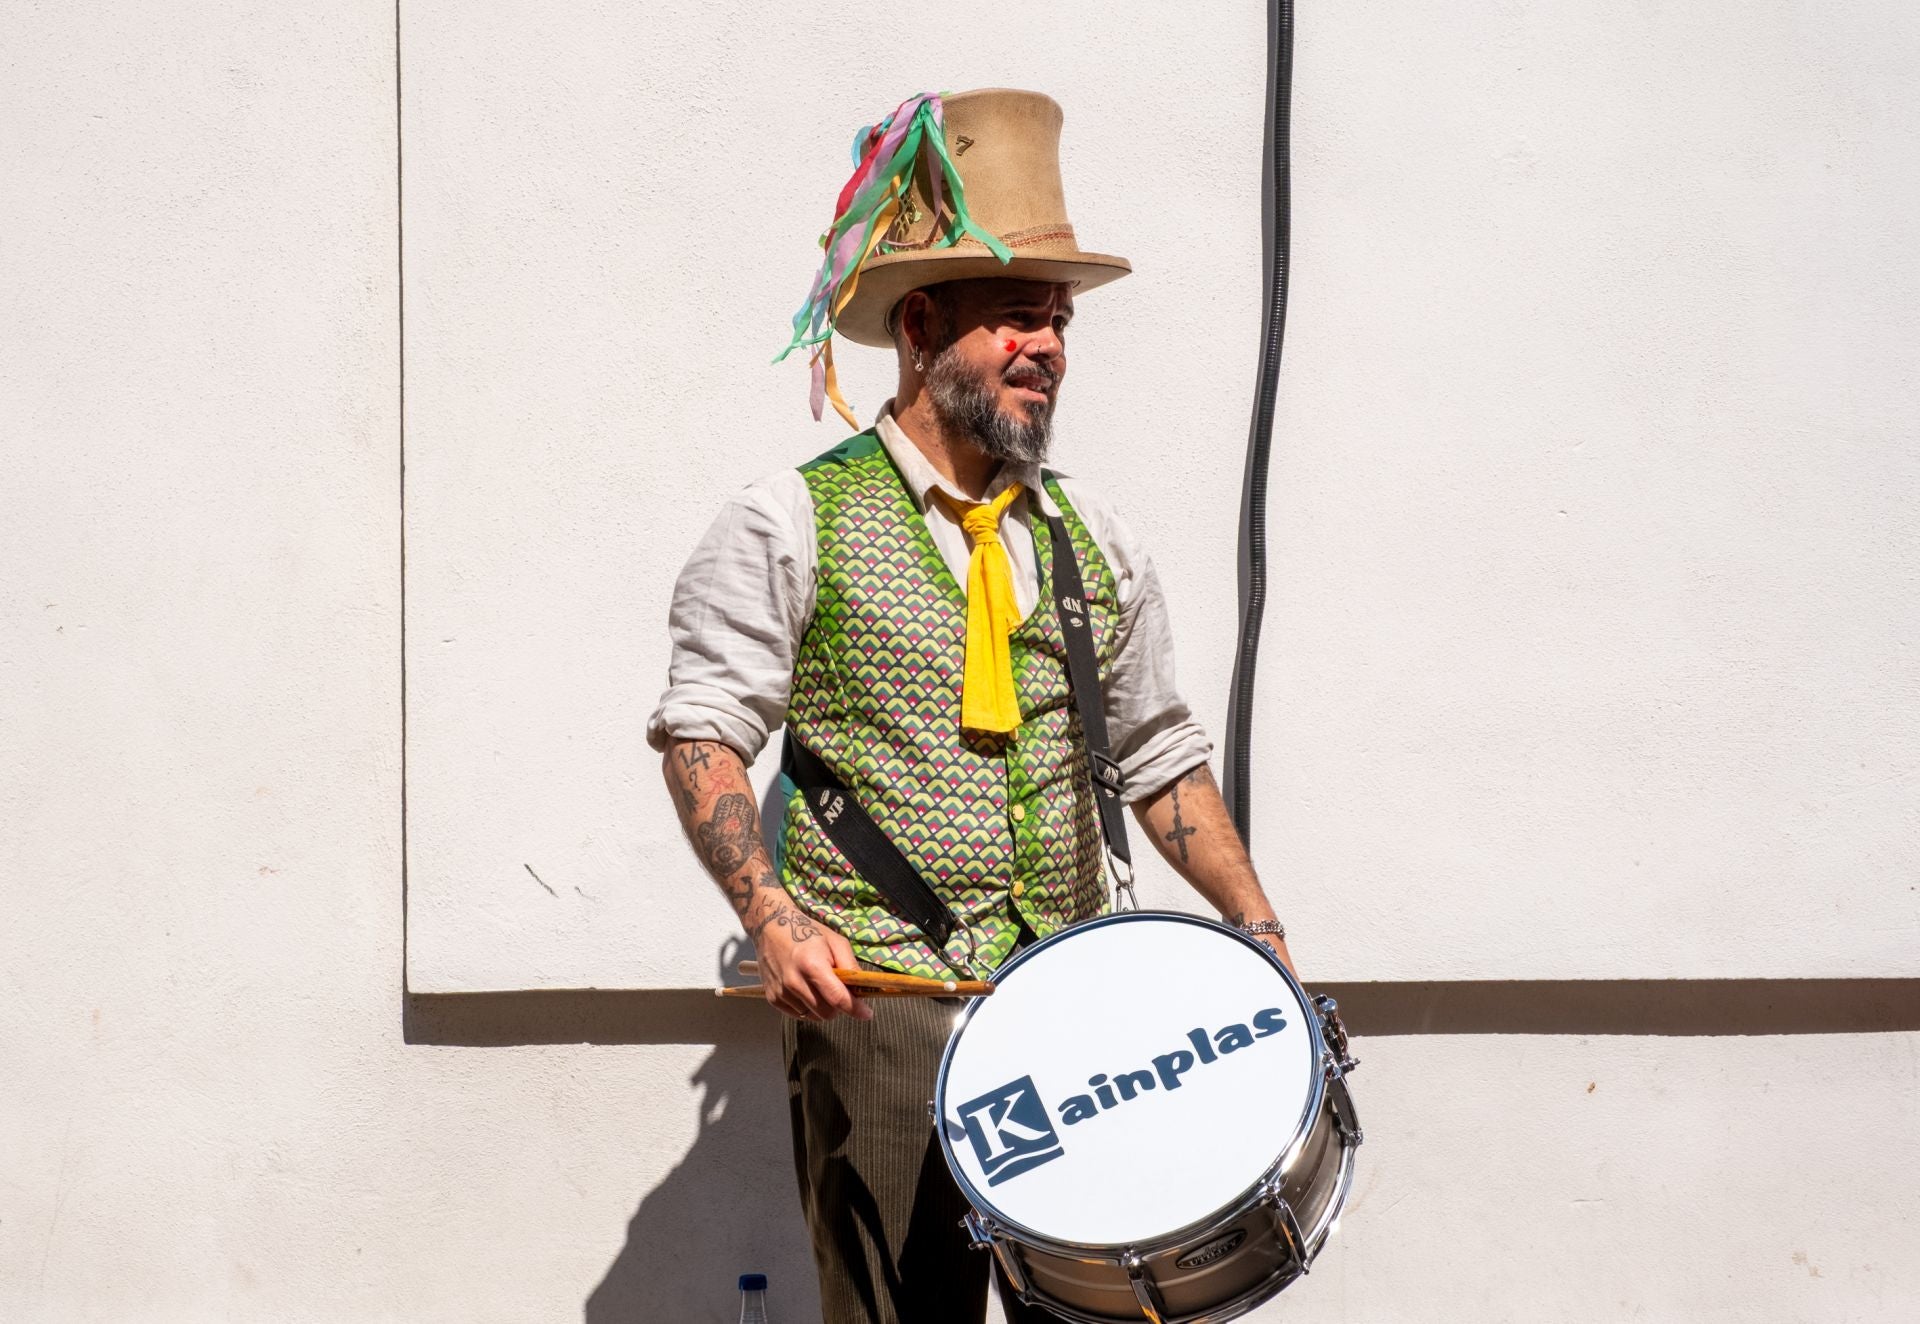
x=1154, y=735
x=739, y=608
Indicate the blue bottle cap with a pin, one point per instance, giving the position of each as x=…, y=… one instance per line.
x=753, y=1282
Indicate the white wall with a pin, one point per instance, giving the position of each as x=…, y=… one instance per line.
x=217, y=1101
x=1595, y=648
x=1592, y=631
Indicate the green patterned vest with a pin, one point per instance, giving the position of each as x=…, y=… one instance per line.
x=995, y=824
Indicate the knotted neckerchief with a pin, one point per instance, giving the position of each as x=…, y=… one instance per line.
x=987, y=699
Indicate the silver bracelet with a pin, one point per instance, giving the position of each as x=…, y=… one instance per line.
x=1258, y=926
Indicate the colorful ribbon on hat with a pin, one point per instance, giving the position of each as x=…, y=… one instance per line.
x=886, y=155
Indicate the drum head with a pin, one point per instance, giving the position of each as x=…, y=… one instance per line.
x=1128, y=1078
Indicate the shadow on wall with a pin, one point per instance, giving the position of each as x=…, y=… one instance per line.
x=730, y=1206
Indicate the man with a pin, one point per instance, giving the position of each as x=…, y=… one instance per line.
x=892, y=604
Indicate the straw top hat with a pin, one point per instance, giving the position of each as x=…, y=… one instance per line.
x=1006, y=145
x=945, y=188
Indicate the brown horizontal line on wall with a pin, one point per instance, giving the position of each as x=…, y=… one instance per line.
x=1555, y=1006
x=1630, y=1006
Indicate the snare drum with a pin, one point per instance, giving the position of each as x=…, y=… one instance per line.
x=1150, y=1120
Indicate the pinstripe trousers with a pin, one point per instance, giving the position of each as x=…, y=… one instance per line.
x=882, y=1207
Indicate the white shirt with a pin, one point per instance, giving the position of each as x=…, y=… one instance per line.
x=746, y=593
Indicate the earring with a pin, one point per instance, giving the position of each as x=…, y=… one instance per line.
x=917, y=364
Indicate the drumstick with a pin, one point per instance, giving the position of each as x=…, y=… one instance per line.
x=874, y=979
x=877, y=979
x=760, y=991
x=885, y=982
x=937, y=991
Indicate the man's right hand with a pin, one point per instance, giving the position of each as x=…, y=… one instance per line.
x=798, y=955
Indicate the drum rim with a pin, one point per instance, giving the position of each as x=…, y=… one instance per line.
x=1247, y=1199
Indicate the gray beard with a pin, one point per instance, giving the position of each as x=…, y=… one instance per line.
x=966, y=405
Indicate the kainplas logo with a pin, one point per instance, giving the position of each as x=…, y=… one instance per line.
x=1010, y=1130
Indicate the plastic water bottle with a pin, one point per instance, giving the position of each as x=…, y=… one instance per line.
x=753, y=1298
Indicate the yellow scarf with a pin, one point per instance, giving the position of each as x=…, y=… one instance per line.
x=987, y=701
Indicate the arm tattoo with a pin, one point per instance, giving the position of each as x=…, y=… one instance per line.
x=1180, y=831
x=739, y=889
x=694, y=757
x=796, y=921
x=727, y=840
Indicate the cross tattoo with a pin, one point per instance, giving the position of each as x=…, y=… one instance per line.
x=1180, y=831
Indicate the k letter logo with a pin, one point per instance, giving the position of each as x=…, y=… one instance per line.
x=1010, y=1131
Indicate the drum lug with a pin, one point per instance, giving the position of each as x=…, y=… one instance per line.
x=1288, y=1227
x=1016, y=1273
x=1145, y=1291
x=1345, y=1120
x=979, y=1236
x=1334, y=1032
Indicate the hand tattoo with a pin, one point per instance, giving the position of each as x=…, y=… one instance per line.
x=728, y=839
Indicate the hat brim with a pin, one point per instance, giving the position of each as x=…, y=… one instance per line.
x=887, y=279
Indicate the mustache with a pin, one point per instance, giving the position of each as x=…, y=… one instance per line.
x=1033, y=373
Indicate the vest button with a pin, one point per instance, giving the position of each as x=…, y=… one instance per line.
x=1019, y=812
x=1019, y=888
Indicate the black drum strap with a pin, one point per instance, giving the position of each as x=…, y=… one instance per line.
x=864, y=845
x=1070, y=601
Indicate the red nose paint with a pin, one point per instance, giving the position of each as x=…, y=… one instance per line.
x=1012, y=345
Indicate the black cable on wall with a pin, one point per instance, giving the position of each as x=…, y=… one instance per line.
x=1277, y=228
